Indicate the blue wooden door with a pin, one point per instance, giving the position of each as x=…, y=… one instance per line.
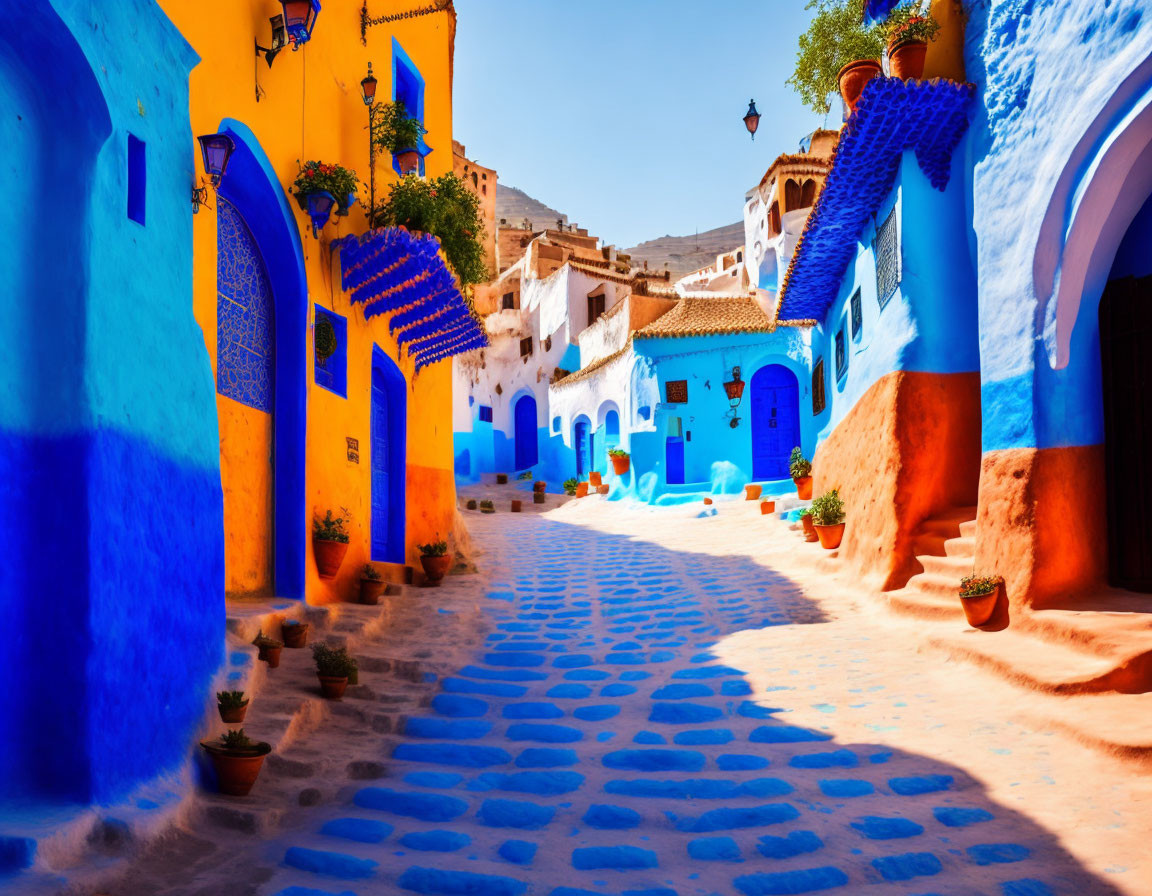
x=581, y=440
x=381, y=474
x=527, y=452
x=674, y=459
x=775, y=421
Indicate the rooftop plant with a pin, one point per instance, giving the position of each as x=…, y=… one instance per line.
x=435, y=549
x=333, y=662
x=314, y=176
x=836, y=36
x=974, y=586
x=395, y=130
x=828, y=509
x=798, y=465
x=330, y=528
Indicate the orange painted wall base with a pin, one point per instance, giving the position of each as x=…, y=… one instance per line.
x=908, y=450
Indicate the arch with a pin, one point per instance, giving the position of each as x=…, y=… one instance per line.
x=525, y=432
x=808, y=193
x=793, y=195
x=253, y=189
x=775, y=412
x=388, y=454
x=606, y=407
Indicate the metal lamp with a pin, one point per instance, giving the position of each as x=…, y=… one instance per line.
x=320, y=209
x=216, y=150
x=368, y=87
x=752, y=118
x=734, y=389
x=279, y=40
x=300, y=19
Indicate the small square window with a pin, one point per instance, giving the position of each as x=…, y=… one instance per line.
x=525, y=346
x=886, y=250
x=857, y=315
x=485, y=413
x=818, y=388
x=676, y=391
x=330, y=345
x=841, y=352
x=508, y=301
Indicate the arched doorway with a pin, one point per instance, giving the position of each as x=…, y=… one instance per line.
x=388, y=427
x=582, y=443
x=775, y=420
x=524, y=426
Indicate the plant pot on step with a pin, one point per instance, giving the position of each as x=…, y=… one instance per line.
x=408, y=161
x=329, y=555
x=582, y=490
x=270, y=654
x=232, y=715
x=371, y=590
x=516, y=506
x=236, y=770
x=471, y=505
x=979, y=608
x=906, y=59
x=752, y=492
x=539, y=487
x=501, y=478
x=538, y=497
x=594, y=479
x=853, y=78
x=803, y=488
x=621, y=464
x=767, y=507
x=602, y=488
x=830, y=536
x=333, y=686
x=435, y=568
x=809, y=528
x=294, y=634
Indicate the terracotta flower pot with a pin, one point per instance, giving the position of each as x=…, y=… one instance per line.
x=707, y=500
x=471, y=505
x=594, y=479
x=767, y=507
x=539, y=487
x=233, y=715
x=333, y=686
x=329, y=555
x=236, y=772
x=830, y=536
x=501, y=478
x=979, y=608
x=803, y=488
x=854, y=77
x=370, y=590
x=270, y=655
x=538, y=497
x=602, y=488
x=294, y=634
x=809, y=528
x=621, y=464
x=435, y=568
x=408, y=161
x=752, y=492
x=516, y=506
x=581, y=489
x=906, y=58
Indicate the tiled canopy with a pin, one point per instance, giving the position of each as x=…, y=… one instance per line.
x=892, y=116
x=394, y=271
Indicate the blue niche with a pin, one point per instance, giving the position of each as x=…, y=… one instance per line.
x=244, y=353
x=332, y=372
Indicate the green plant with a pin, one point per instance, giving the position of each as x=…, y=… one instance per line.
x=445, y=208
x=975, y=586
x=334, y=662
x=324, y=338
x=435, y=549
x=329, y=528
x=570, y=486
x=314, y=177
x=231, y=699
x=370, y=573
x=487, y=505
x=617, y=452
x=262, y=640
x=911, y=22
x=236, y=740
x=828, y=509
x=394, y=130
x=798, y=465
x=527, y=474
x=836, y=36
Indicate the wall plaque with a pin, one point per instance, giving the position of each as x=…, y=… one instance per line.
x=676, y=391
x=353, y=449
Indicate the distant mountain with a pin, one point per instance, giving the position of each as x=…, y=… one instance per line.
x=684, y=254
x=514, y=206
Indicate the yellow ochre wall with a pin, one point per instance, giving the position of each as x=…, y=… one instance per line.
x=310, y=108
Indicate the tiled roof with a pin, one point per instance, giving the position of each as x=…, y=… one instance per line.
x=584, y=372
x=892, y=116
x=799, y=163
x=599, y=273
x=709, y=317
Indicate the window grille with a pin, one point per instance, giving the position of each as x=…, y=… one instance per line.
x=841, y=354
x=676, y=391
x=818, y=388
x=886, y=249
x=857, y=315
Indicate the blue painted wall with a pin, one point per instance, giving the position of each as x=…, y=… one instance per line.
x=113, y=591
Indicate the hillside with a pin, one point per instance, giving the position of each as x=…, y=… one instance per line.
x=684, y=254
x=514, y=206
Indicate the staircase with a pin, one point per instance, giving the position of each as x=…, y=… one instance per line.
x=944, y=548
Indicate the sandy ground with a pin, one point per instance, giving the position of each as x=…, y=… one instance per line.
x=684, y=700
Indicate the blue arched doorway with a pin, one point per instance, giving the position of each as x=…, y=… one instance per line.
x=775, y=420
x=524, y=424
x=389, y=418
x=582, y=443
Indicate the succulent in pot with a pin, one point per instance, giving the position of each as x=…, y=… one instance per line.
x=828, y=518
x=268, y=649
x=237, y=761
x=329, y=542
x=232, y=706
x=570, y=486
x=335, y=668
x=435, y=559
x=800, y=468
x=621, y=461
x=487, y=507
x=372, y=584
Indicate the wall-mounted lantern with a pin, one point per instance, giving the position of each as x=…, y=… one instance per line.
x=216, y=150
x=320, y=205
x=300, y=19
x=368, y=87
x=752, y=118
x=734, y=389
x=279, y=40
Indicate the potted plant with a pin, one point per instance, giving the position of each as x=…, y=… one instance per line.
x=767, y=507
x=471, y=505
x=828, y=518
x=335, y=181
x=269, y=649
x=487, y=507
x=707, y=501
x=232, y=706
x=979, y=596
x=329, y=543
x=807, y=525
x=540, y=486
x=800, y=469
x=371, y=585
x=397, y=132
x=517, y=505
x=335, y=669
x=237, y=761
x=838, y=51
x=909, y=29
x=621, y=461
x=435, y=560
x=295, y=633
x=594, y=479
x=582, y=490
x=752, y=492
x=570, y=486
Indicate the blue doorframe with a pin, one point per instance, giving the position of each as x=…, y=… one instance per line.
x=388, y=457
x=582, y=442
x=775, y=406
x=524, y=426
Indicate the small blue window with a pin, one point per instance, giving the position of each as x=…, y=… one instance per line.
x=645, y=412
x=555, y=424
x=485, y=414
x=137, y=179
x=841, y=353
x=330, y=340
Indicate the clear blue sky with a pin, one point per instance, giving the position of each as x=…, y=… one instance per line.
x=626, y=114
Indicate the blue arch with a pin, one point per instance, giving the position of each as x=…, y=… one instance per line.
x=252, y=187
x=388, y=457
x=524, y=429
x=775, y=404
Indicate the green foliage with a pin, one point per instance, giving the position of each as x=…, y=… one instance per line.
x=445, y=208
x=798, y=465
x=836, y=36
x=527, y=474
x=335, y=179
x=435, y=549
x=230, y=699
x=370, y=573
x=394, y=130
x=828, y=509
x=570, y=486
x=911, y=22
x=324, y=338
x=807, y=511
x=975, y=586
x=487, y=505
x=617, y=452
x=333, y=662
x=329, y=528
x=262, y=640
x=236, y=739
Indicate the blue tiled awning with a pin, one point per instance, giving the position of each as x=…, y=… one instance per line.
x=928, y=117
x=394, y=271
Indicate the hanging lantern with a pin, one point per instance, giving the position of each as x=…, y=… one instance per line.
x=752, y=118
x=217, y=150
x=320, y=209
x=368, y=87
x=734, y=389
x=300, y=19
x=279, y=40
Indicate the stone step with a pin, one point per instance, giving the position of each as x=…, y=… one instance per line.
x=965, y=546
x=946, y=565
x=910, y=601
x=936, y=584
